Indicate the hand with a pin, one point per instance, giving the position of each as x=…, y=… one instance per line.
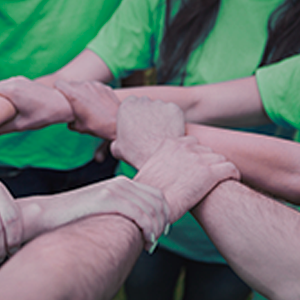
x=11, y=225
x=7, y=110
x=37, y=105
x=185, y=172
x=142, y=204
x=94, y=106
x=47, y=80
x=142, y=125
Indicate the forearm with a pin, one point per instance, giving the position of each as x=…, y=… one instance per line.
x=257, y=236
x=7, y=110
x=266, y=163
x=87, y=66
x=231, y=103
x=44, y=213
x=86, y=260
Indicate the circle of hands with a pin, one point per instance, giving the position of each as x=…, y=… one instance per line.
x=175, y=171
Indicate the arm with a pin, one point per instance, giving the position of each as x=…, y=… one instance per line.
x=87, y=66
x=141, y=204
x=269, y=164
x=258, y=237
x=87, y=260
x=232, y=103
x=266, y=163
x=35, y=105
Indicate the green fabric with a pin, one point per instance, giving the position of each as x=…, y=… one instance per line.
x=279, y=88
x=38, y=37
x=232, y=50
x=257, y=296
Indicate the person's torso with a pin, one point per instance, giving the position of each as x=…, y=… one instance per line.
x=38, y=37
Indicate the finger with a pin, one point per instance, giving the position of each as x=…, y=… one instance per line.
x=137, y=215
x=226, y=170
x=11, y=220
x=150, y=202
x=114, y=149
x=13, y=226
x=74, y=99
x=211, y=158
x=189, y=140
x=67, y=89
x=152, y=213
x=155, y=207
x=159, y=195
x=102, y=151
x=3, y=253
x=129, y=101
x=7, y=110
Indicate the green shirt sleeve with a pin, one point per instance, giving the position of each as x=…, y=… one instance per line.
x=125, y=43
x=279, y=86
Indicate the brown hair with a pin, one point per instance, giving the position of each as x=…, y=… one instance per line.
x=195, y=19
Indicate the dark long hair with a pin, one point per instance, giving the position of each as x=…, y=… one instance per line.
x=284, y=33
x=194, y=21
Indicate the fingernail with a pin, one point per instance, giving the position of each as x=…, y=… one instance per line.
x=153, y=247
x=167, y=229
x=152, y=238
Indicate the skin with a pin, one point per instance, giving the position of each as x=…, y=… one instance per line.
x=257, y=236
x=251, y=153
x=276, y=281
x=238, y=102
x=106, y=258
x=29, y=217
x=74, y=262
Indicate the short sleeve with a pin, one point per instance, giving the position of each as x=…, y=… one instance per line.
x=279, y=86
x=125, y=42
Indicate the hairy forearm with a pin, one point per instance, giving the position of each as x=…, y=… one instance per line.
x=231, y=103
x=87, y=260
x=266, y=163
x=258, y=237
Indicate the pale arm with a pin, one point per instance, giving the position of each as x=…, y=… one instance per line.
x=87, y=66
x=231, y=103
x=258, y=237
x=87, y=260
x=266, y=163
x=142, y=204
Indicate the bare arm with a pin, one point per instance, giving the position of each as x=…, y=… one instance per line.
x=86, y=66
x=258, y=236
x=266, y=163
x=86, y=260
x=231, y=103
x=143, y=205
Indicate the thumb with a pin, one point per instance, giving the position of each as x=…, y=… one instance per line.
x=226, y=170
x=7, y=111
x=67, y=90
x=70, y=93
x=115, y=150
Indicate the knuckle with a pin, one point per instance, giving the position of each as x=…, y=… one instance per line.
x=129, y=100
x=173, y=108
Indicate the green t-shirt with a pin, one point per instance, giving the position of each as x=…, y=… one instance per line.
x=37, y=38
x=279, y=89
x=232, y=50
